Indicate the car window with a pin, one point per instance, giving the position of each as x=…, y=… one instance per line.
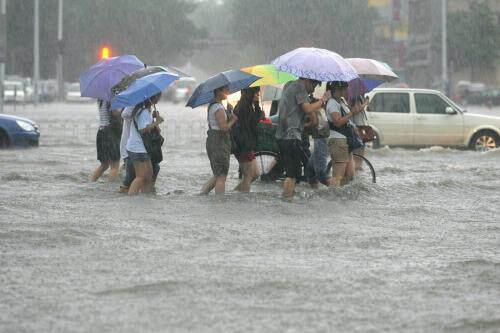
x=390, y=102
x=430, y=104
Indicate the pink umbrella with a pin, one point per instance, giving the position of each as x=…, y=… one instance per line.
x=372, y=69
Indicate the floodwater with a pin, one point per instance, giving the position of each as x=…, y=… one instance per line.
x=417, y=252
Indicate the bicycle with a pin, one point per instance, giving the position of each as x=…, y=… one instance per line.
x=268, y=161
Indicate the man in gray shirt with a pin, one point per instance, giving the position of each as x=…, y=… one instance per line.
x=292, y=110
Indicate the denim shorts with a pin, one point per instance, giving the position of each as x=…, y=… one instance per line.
x=138, y=157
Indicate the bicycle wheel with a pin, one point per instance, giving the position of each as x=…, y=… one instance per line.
x=266, y=161
x=367, y=170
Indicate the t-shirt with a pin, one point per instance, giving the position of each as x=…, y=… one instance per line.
x=127, y=120
x=104, y=113
x=211, y=118
x=134, y=142
x=291, y=116
x=334, y=107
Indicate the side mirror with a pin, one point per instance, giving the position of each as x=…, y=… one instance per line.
x=449, y=110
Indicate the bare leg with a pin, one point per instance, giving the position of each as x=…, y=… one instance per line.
x=349, y=171
x=97, y=173
x=338, y=173
x=220, y=184
x=143, y=175
x=250, y=173
x=289, y=187
x=114, y=170
x=209, y=186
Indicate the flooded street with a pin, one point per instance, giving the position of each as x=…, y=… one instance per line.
x=418, y=251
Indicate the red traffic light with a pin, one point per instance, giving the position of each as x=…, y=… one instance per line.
x=105, y=52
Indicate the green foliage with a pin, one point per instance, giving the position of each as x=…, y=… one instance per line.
x=474, y=37
x=157, y=31
x=279, y=26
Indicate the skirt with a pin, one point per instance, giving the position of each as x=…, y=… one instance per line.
x=108, y=145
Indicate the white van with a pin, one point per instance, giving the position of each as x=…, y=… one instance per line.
x=421, y=117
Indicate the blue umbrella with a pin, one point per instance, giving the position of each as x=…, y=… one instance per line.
x=98, y=80
x=142, y=89
x=234, y=79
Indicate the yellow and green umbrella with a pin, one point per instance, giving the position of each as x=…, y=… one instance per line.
x=269, y=74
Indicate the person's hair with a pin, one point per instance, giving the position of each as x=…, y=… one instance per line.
x=333, y=86
x=147, y=103
x=246, y=118
x=219, y=89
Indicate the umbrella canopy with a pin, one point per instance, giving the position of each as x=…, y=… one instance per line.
x=234, y=79
x=98, y=80
x=372, y=69
x=316, y=64
x=359, y=87
x=126, y=81
x=269, y=75
x=143, y=88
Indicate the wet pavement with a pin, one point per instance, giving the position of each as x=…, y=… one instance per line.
x=418, y=251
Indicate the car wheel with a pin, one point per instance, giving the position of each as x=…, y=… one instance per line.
x=484, y=141
x=4, y=139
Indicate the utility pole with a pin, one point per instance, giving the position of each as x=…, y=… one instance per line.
x=3, y=48
x=36, y=51
x=59, y=69
x=444, y=46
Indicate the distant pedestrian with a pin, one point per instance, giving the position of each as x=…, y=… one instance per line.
x=339, y=116
x=292, y=110
x=360, y=120
x=318, y=162
x=218, y=142
x=107, y=141
x=249, y=113
x=141, y=123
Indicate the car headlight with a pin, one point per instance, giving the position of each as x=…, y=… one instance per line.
x=25, y=126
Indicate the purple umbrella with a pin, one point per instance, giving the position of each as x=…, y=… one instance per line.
x=316, y=64
x=372, y=73
x=372, y=69
x=98, y=80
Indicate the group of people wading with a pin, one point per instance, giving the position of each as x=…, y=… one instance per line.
x=330, y=120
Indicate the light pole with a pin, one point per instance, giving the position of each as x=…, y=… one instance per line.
x=59, y=69
x=3, y=47
x=36, y=50
x=444, y=46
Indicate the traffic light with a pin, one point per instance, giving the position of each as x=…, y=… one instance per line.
x=105, y=52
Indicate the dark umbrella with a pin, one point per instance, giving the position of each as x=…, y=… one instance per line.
x=234, y=79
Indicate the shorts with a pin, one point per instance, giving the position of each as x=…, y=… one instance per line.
x=245, y=157
x=293, y=156
x=218, y=147
x=108, y=145
x=130, y=172
x=339, y=150
x=138, y=157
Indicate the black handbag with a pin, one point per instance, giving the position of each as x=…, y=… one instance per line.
x=153, y=141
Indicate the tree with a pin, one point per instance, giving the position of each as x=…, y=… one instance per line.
x=276, y=27
x=474, y=38
x=157, y=31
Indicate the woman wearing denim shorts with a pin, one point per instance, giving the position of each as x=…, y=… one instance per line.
x=137, y=154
